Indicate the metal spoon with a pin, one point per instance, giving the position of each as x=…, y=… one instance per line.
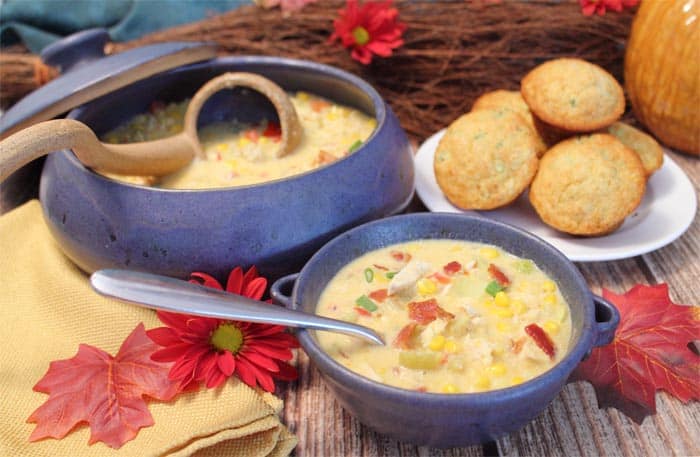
x=147, y=158
x=174, y=295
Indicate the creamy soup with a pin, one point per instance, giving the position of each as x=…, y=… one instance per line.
x=457, y=317
x=240, y=154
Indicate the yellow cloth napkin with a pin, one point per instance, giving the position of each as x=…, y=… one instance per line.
x=47, y=308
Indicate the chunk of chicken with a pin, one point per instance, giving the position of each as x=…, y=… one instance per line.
x=408, y=276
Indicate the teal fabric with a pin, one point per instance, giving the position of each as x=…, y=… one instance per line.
x=38, y=23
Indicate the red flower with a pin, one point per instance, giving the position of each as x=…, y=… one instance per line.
x=210, y=350
x=372, y=28
x=588, y=7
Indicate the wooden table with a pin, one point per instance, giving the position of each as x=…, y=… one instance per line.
x=572, y=424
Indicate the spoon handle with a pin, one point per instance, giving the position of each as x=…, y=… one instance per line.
x=174, y=295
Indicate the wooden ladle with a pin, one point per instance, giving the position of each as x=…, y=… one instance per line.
x=147, y=158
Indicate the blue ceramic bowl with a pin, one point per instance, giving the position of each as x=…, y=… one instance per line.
x=101, y=223
x=447, y=420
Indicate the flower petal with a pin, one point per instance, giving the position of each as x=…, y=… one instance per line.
x=253, y=374
x=170, y=353
x=255, y=288
x=174, y=320
x=244, y=371
x=163, y=336
x=205, y=280
x=258, y=360
x=272, y=352
x=202, y=325
x=226, y=363
x=286, y=372
x=234, y=284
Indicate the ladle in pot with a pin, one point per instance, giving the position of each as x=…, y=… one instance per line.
x=174, y=295
x=147, y=158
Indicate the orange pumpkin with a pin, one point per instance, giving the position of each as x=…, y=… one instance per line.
x=662, y=71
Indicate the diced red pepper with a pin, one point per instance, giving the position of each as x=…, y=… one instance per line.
x=155, y=106
x=379, y=295
x=362, y=311
x=252, y=135
x=380, y=267
x=424, y=312
x=273, y=131
x=403, y=339
x=541, y=338
x=441, y=278
x=498, y=275
x=400, y=256
x=452, y=268
x=517, y=345
x=324, y=157
x=319, y=105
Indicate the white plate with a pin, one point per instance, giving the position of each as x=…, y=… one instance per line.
x=666, y=211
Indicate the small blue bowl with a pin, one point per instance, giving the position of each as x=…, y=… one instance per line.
x=277, y=226
x=447, y=420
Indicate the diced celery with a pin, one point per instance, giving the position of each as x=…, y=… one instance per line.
x=493, y=288
x=419, y=360
x=524, y=266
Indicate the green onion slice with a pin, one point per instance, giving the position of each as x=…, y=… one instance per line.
x=365, y=302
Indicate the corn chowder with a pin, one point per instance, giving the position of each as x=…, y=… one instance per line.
x=457, y=317
x=239, y=154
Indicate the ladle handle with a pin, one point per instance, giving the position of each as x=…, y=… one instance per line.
x=174, y=295
x=289, y=121
x=147, y=158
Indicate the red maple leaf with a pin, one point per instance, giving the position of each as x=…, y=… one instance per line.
x=650, y=351
x=104, y=391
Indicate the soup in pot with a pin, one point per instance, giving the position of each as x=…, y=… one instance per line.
x=239, y=154
x=457, y=317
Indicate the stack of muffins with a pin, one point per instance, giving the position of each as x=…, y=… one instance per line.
x=560, y=136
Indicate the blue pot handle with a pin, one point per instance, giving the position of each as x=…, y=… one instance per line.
x=607, y=318
x=77, y=49
x=279, y=288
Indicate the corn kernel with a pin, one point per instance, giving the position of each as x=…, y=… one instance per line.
x=515, y=380
x=549, y=286
x=482, y=382
x=550, y=299
x=489, y=252
x=450, y=389
x=331, y=116
x=437, y=343
x=426, y=286
x=497, y=369
x=503, y=312
x=551, y=327
x=502, y=299
x=522, y=286
x=503, y=327
x=518, y=306
x=262, y=140
x=243, y=142
x=302, y=96
x=451, y=346
x=221, y=147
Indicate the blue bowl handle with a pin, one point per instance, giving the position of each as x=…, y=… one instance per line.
x=279, y=289
x=607, y=318
x=76, y=50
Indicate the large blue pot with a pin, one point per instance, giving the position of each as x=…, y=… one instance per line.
x=101, y=223
x=447, y=420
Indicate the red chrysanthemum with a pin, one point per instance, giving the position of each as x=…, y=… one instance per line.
x=368, y=29
x=590, y=7
x=211, y=350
